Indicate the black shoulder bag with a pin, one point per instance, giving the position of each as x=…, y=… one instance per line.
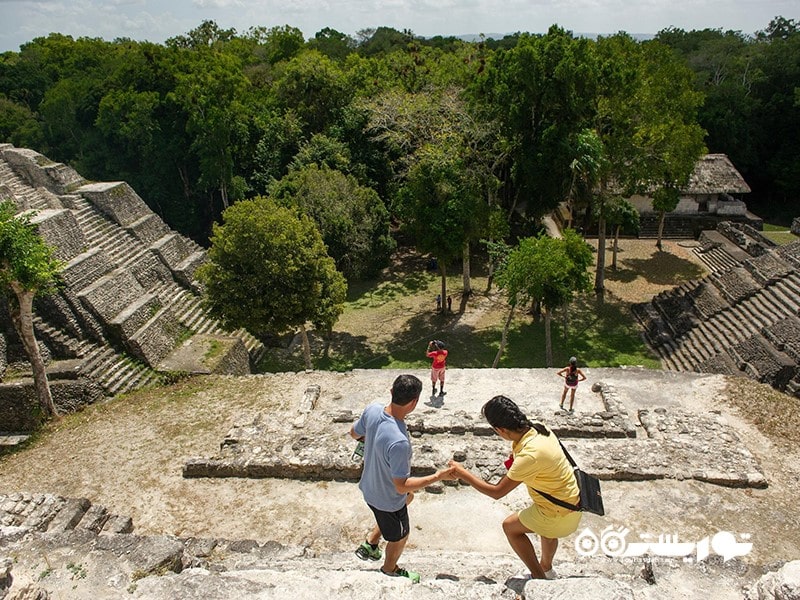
x=591, y=499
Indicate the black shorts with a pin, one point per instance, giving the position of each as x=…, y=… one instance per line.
x=393, y=525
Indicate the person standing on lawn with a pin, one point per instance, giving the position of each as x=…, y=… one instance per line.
x=436, y=351
x=386, y=482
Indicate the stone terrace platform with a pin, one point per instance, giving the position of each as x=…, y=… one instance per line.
x=629, y=428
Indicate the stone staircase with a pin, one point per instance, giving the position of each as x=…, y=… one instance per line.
x=129, y=279
x=740, y=319
x=71, y=549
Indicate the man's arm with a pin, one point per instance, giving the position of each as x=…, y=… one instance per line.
x=354, y=435
x=405, y=485
x=493, y=490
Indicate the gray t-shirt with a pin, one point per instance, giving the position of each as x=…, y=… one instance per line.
x=387, y=456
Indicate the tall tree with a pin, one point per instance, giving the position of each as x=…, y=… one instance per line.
x=352, y=219
x=269, y=272
x=27, y=268
x=441, y=205
x=589, y=180
x=545, y=270
x=621, y=215
x=541, y=93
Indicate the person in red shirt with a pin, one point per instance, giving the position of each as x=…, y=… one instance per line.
x=437, y=352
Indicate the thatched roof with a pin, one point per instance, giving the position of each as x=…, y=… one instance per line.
x=715, y=174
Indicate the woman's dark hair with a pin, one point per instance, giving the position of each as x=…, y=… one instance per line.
x=504, y=412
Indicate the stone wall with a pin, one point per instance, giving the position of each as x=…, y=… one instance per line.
x=59, y=229
x=117, y=200
x=40, y=171
x=19, y=405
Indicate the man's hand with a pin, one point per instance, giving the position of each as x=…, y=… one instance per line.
x=447, y=474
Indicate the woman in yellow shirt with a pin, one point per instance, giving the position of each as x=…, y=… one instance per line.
x=539, y=463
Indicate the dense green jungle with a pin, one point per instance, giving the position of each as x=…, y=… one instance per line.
x=215, y=116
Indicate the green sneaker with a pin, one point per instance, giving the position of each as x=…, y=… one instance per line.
x=400, y=572
x=366, y=552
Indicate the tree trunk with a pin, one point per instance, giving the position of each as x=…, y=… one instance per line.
x=443, y=272
x=599, y=280
x=22, y=317
x=306, y=348
x=616, y=245
x=466, y=270
x=503, y=338
x=661, y=220
x=223, y=192
x=548, y=341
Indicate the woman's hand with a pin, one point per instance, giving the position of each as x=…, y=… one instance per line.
x=457, y=469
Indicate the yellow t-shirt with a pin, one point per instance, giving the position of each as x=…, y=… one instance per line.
x=539, y=463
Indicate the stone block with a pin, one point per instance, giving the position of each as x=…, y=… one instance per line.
x=156, y=338
x=790, y=253
x=172, y=249
x=19, y=407
x=149, y=270
x=117, y=200
x=134, y=316
x=720, y=363
x=155, y=555
x=59, y=229
x=185, y=270
x=768, y=268
x=756, y=357
x=40, y=171
x=736, y=284
x=111, y=294
x=783, y=584
x=94, y=519
x=148, y=228
x=85, y=268
x=220, y=355
x=69, y=515
x=706, y=300
x=117, y=524
x=785, y=335
x=43, y=512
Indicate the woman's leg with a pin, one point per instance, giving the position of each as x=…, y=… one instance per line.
x=517, y=535
x=549, y=547
x=571, y=398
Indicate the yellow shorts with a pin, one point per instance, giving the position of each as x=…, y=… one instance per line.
x=550, y=526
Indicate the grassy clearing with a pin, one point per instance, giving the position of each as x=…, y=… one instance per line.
x=779, y=234
x=388, y=322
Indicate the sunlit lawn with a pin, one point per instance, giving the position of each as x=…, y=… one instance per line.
x=387, y=323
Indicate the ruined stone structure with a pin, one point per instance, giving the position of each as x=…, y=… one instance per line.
x=130, y=300
x=712, y=194
x=669, y=444
x=744, y=318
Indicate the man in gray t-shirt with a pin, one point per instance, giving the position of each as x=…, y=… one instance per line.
x=386, y=482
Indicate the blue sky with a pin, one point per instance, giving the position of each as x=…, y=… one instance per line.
x=157, y=20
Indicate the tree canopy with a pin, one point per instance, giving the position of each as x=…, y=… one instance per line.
x=269, y=272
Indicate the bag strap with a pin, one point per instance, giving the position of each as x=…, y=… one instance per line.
x=553, y=499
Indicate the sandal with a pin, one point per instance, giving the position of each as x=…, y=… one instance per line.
x=367, y=551
x=400, y=572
